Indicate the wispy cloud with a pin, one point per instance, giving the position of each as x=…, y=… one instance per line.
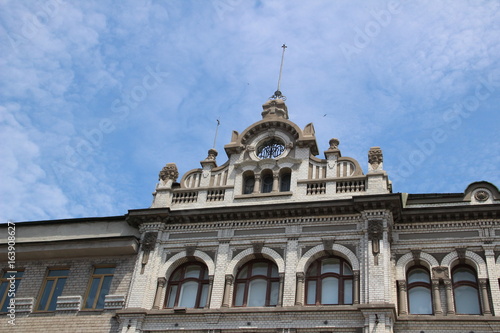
x=86, y=127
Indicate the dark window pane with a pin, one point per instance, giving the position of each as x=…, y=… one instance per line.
x=104, y=270
x=285, y=183
x=267, y=183
x=45, y=295
x=57, y=292
x=248, y=185
x=89, y=304
x=59, y=272
x=3, y=295
x=103, y=292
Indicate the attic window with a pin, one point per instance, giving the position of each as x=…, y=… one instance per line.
x=271, y=148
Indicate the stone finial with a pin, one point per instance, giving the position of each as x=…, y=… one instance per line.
x=212, y=154
x=275, y=108
x=169, y=171
x=333, y=151
x=334, y=144
x=375, y=159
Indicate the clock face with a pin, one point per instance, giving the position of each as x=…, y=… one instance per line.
x=270, y=148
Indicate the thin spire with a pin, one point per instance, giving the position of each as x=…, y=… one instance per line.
x=277, y=93
x=216, y=131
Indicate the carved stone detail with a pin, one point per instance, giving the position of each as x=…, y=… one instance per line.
x=169, y=171
x=149, y=241
x=461, y=254
x=375, y=230
x=257, y=247
x=328, y=243
x=212, y=154
x=481, y=195
x=375, y=157
x=416, y=256
x=440, y=272
x=190, y=248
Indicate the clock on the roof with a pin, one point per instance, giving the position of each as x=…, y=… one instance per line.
x=270, y=148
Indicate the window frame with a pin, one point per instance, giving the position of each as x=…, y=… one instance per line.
x=249, y=278
x=461, y=283
x=247, y=177
x=318, y=278
x=51, y=293
x=102, y=277
x=178, y=283
x=285, y=181
x=5, y=299
x=412, y=285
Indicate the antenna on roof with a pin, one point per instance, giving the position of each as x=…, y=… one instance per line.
x=216, y=131
x=277, y=93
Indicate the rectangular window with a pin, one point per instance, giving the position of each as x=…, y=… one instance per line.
x=51, y=289
x=9, y=285
x=99, y=286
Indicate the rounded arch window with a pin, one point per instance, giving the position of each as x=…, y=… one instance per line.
x=267, y=181
x=465, y=290
x=419, y=290
x=270, y=148
x=188, y=286
x=329, y=281
x=285, y=179
x=248, y=182
x=257, y=284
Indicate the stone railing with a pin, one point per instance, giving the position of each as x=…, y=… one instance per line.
x=351, y=186
x=184, y=197
x=215, y=195
x=316, y=188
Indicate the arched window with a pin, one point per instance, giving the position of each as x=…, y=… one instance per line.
x=465, y=290
x=248, y=182
x=419, y=290
x=267, y=181
x=285, y=178
x=188, y=286
x=257, y=284
x=329, y=281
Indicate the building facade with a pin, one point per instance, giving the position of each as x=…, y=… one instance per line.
x=273, y=240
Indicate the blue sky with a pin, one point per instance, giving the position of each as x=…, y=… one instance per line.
x=97, y=96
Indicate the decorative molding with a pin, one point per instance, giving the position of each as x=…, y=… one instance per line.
x=68, y=303
x=149, y=241
x=169, y=171
x=24, y=304
x=440, y=272
x=114, y=302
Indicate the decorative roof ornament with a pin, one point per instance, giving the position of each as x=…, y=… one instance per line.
x=277, y=93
